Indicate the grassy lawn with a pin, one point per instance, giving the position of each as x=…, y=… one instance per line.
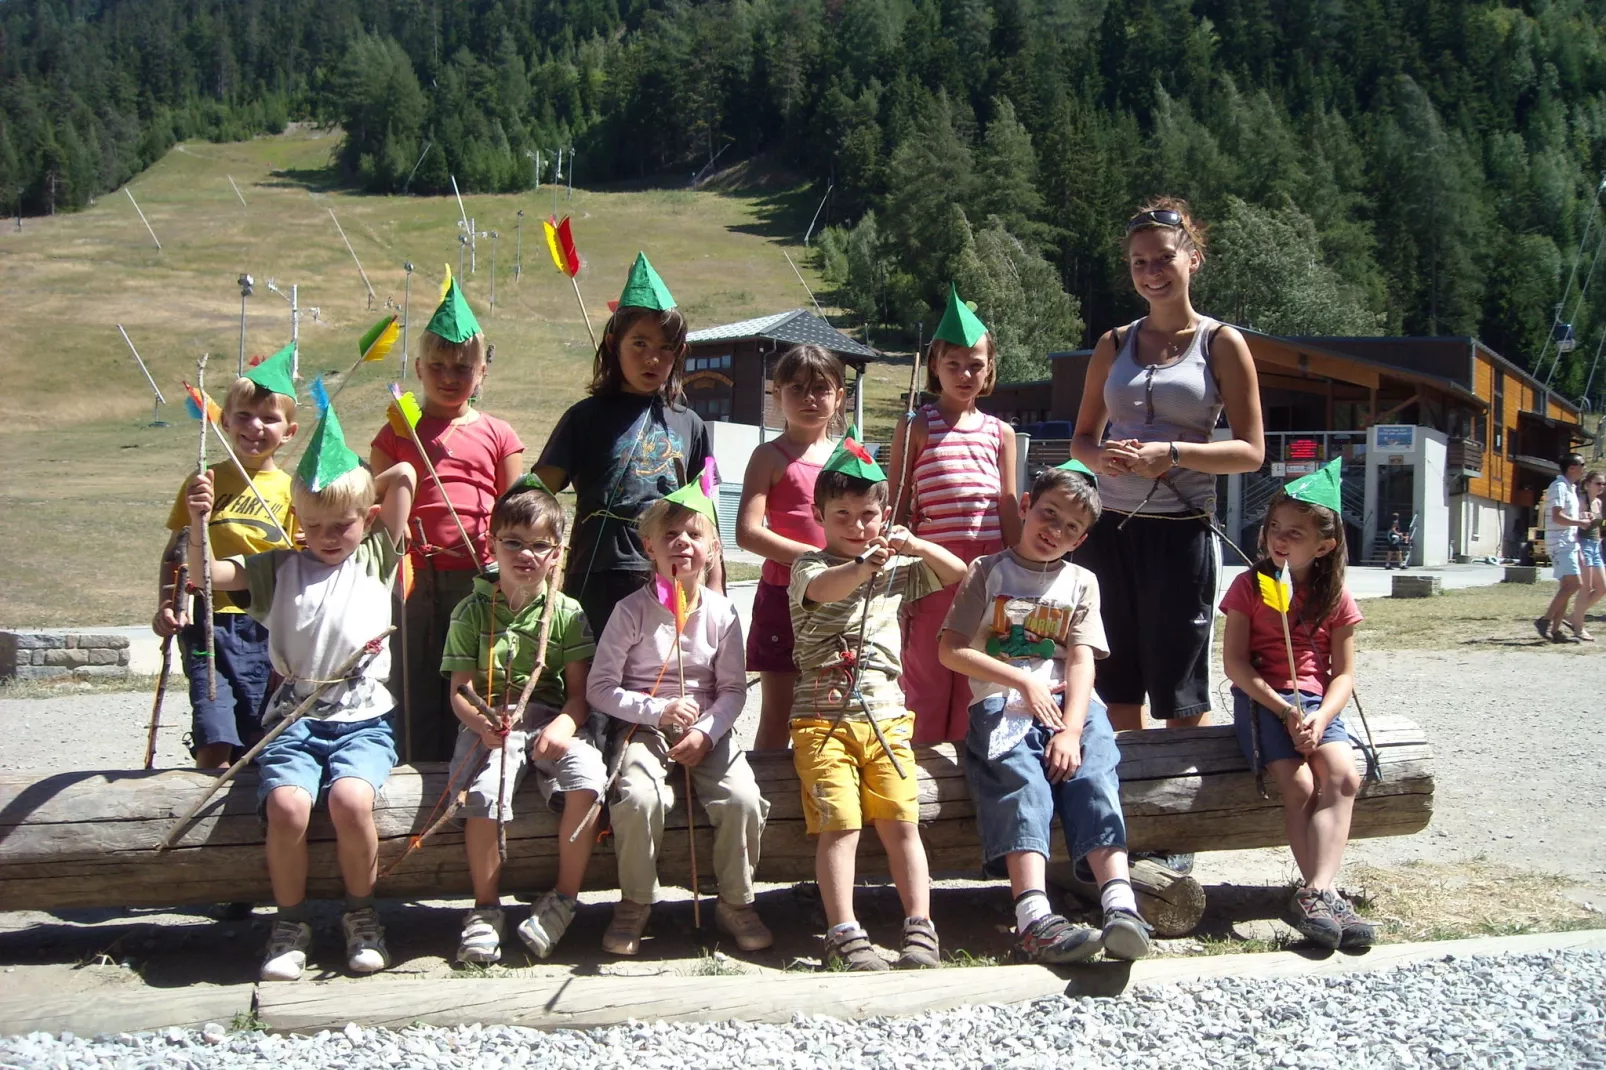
x=86, y=485
x=1497, y=616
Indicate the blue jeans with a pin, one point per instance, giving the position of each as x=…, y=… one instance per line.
x=1015, y=803
x=313, y=754
x=1275, y=742
x=240, y=648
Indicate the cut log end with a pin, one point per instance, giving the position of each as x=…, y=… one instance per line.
x=1172, y=902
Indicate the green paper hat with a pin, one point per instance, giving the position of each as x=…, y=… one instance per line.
x=327, y=457
x=1074, y=465
x=274, y=373
x=453, y=319
x=644, y=289
x=959, y=324
x=852, y=459
x=528, y=481
x=698, y=495
x=1322, y=487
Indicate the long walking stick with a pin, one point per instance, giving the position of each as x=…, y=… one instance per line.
x=352, y=666
x=691, y=808
x=179, y=573
x=554, y=585
x=405, y=410
x=206, y=542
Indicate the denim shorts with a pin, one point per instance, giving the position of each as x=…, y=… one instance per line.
x=1564, y=562
x=1589, y=550
x=1275, y=742
x=240, y=649
x=312, y=754
x=1015, y=803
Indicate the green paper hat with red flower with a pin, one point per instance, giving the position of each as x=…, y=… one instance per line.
x=852, y=459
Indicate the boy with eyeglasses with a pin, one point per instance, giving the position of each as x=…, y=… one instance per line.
x=491, y=646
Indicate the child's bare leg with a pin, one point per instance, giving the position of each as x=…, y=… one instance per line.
x=1125, y=716
x=1334, y=803
x=484, y=860
x=775, y=715
x=288, y=810
x=351, y=810
x=1028, y=872
x=213, y=755
x=833, y=865
x=574, y=857
x=1108, y=864
x=1298, y=791
x=906, y=856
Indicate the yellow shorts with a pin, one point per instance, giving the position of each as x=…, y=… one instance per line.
x=851, y=781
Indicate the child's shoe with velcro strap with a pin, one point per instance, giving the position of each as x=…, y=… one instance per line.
x=549, y=919
x=1356, y=930
x=1312, y=917
x=1054, y=941
x=365, y=940
x=851, y=950
x=920, y=949
x=286, y=955
x=1125, y=935
x=481, y=942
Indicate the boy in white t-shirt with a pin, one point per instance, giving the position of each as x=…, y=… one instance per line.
x=321, y=605
x=1562, y=519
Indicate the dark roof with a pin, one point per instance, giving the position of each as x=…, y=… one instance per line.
x=798, y=327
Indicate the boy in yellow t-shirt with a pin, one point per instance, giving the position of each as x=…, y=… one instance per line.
x=259, y=416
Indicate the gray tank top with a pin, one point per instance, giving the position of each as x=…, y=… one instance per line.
x=1175, y=402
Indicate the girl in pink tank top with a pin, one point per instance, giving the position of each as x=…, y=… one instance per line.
x=961, y=495
x=777, y=521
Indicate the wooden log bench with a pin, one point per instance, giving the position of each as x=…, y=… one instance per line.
x=88, y=839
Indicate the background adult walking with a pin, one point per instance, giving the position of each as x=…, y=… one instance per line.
x=1154, y=392
x=1592, y=581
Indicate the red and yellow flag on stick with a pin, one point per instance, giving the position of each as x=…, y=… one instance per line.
x=566, y=258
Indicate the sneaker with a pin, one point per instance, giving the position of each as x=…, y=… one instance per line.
x=481, y=942
x=1357, y=931
x=549, y=919
x=1310, y=915
x=1125, y=935
x=744, y=924
x=1054, y=941
x=624, y=931
x=920, y=950
x=852, y=951
x=365, y=940
x=286, y=956
x=1542, y=626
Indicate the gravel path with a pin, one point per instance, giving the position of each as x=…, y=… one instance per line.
x=1536, y=1010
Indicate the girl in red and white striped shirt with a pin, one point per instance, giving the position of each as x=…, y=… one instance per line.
x=961, y=495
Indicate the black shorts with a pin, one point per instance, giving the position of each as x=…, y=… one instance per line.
x=1157, y=593
x=599, y=592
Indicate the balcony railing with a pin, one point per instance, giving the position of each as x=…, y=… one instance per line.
x=1464, y=456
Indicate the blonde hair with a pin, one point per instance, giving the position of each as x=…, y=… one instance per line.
x=353, y=492
x=247, y=393
x=663, y=512
x=1191, y=234
x=472, y=348
x=939, y=349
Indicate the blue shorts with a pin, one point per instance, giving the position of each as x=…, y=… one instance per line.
x=1564, y=562
x=313, y=754
x=1015, y=803
x=1275, y=742
x=1589, y=550
x=240, y=648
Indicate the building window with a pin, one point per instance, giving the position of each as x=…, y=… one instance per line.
x=712, y=408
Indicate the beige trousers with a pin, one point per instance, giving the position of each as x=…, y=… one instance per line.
x=724, y=785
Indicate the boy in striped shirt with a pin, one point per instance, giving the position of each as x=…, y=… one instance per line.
x=845, y=601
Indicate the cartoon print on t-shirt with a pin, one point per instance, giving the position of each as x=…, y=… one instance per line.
x=1029, y=627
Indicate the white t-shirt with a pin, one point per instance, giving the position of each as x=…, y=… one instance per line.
x=1564, y=496
x=317, y=615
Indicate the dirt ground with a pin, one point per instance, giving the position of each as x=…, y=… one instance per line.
x=1520, y=775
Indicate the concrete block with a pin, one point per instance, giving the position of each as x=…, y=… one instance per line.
x=43, y=672
x=101, y=655
x=115, y=642
x=99, y=672
x=37, y=641
x=70, y=641
x=1416, y=586
x=122, y=656
x=67, y=657
x=1521, y=574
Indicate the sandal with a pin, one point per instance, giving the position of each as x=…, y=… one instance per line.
x=920, y=950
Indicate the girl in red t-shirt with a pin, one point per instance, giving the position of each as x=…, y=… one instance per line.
x=1303, y=741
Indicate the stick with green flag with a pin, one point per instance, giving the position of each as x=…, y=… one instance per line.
x=375, y=345
x=206, y=543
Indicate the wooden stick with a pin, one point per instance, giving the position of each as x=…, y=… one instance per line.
x=418, y=444
x=359, y=658
x=284, y=536
x=576, y=284
x=691, y=811
x=206, y=539
x=180, y=575
x=554, y=583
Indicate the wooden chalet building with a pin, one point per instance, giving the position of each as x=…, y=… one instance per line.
x=728, y=368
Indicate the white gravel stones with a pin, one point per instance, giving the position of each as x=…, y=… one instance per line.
x=1543, y=1010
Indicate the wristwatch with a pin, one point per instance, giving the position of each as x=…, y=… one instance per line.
x=1176, y=455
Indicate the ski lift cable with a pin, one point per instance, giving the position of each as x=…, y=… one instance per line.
x=1572, y=274
x=1593, y=364
x=1578, y=301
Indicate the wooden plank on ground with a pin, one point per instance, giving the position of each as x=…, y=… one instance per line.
x=128, y=1008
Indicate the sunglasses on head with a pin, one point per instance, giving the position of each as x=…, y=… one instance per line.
x=1155, y=217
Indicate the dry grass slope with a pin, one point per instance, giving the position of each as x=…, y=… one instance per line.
x=85, y=485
